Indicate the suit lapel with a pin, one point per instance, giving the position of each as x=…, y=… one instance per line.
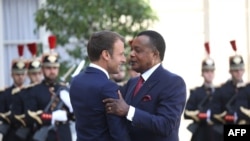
x=147, y=86
x=130, y=91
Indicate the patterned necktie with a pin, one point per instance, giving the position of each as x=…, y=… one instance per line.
x=138, y=85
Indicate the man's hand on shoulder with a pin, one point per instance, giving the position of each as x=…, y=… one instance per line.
x=116, y=106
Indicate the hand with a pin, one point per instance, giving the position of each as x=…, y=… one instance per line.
x=116, y=106
x=59, y=115
x=242, y=122
x=193, y=114
x=36, y=115
x=5, y=116
x=245, y=111
x=220, y=117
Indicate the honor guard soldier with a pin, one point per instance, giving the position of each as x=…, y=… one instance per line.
x=199, y=101
x=34, y=65
x=4, y=125
x=49, y=103
x=18, y=73
x=226, y=100
x=20, y=99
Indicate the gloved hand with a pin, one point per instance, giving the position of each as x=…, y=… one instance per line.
x=59, y=115
x=221, y=117
x=64, y=95
x=36, y=115
x=193, y=114
x=245, y=111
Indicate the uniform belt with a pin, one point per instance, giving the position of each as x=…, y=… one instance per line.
x=61, y=122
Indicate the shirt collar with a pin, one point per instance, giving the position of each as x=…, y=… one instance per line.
x=99, y=68
x=148, y=73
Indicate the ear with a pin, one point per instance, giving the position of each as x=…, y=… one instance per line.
x=105, y=55
x=156, y=54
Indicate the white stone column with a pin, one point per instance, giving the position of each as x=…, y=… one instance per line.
x=227, y=22
x=247, y=6
x=2, y=55
x=206, y=20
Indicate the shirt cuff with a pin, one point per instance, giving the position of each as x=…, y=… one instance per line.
x=131, y=113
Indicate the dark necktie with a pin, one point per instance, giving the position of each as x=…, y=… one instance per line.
x=138, y=85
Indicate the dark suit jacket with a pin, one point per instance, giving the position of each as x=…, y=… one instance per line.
x=159, y=105
x=87, y=91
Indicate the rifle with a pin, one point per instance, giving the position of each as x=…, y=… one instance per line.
x=64, y=77
x=42, y=133
x=220, y=127
x=79, y=68
x=229, y=103
x=204, y=101
x=192, y=127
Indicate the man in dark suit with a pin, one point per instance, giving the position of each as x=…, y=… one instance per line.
x=154, y=112
x=90, y=87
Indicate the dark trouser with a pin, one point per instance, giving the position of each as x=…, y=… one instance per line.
x=62, y=132
x=206, y=132
x=11, y=136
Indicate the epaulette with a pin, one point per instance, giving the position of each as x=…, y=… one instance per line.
x=247, y=83
x=16, y=90
x=31, y=85
x=2, y=89
x=218, y=85
x=62, y=83
x=240, y=85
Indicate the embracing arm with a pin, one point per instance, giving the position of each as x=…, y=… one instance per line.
x=116, y=124
x=168, y=108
